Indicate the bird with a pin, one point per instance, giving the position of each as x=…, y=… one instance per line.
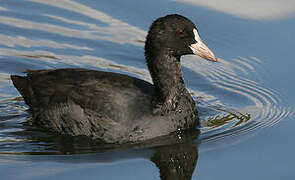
x=117, y=108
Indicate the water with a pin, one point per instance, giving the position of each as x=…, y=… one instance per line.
x=246, y=100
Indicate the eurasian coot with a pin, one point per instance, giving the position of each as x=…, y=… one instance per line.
x=117, y=108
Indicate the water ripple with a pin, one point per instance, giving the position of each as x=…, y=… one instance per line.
x=251, y=107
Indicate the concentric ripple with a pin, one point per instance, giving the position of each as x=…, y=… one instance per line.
x=239, y=104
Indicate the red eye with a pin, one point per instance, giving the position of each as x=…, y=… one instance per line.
x=180, y=32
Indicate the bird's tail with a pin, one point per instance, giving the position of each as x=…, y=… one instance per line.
x=21, y=83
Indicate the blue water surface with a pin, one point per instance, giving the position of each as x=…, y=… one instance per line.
x=245, y=100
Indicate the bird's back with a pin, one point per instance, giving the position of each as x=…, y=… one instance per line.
x=72, y=101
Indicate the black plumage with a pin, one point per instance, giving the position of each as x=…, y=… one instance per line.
x=113, y=107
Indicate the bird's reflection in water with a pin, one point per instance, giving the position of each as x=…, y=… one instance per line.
x=175, y=155
x=176, y=162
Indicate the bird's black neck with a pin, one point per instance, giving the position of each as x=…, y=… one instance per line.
x=166, y=73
